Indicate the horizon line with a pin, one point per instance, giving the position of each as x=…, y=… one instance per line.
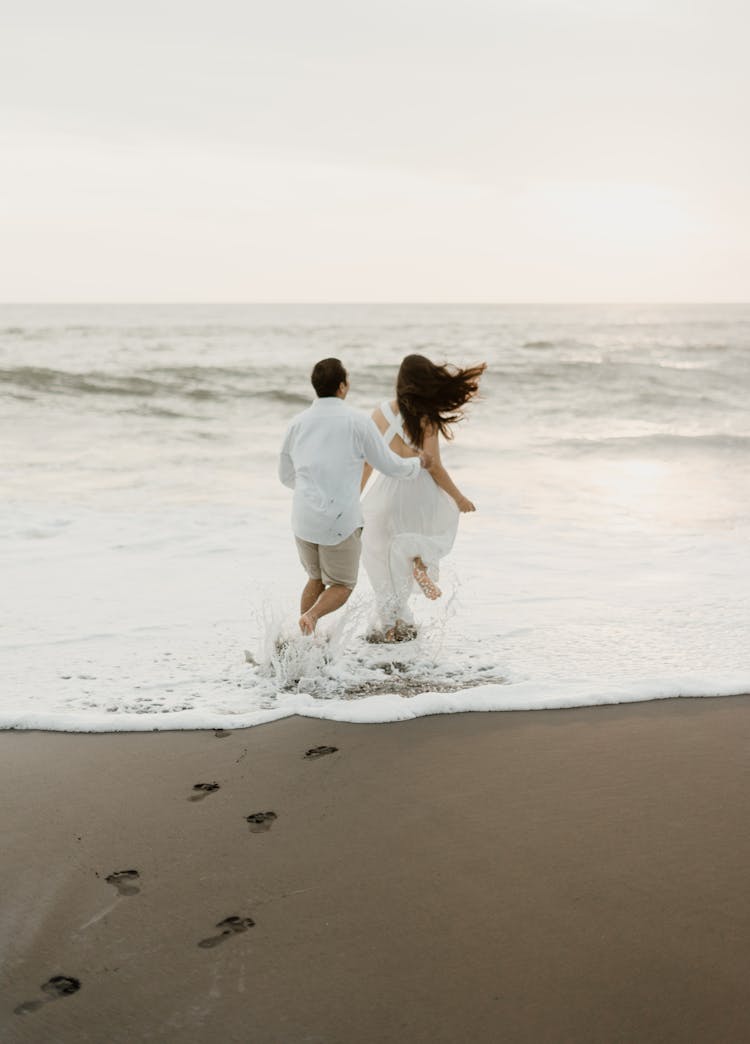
x=303, y=303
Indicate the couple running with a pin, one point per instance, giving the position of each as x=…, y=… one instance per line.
x=410, y=514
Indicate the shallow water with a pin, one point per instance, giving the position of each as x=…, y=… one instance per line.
x=146, y=543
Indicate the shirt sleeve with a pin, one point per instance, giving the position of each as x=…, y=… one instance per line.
x=380, y=457
x=286, y=466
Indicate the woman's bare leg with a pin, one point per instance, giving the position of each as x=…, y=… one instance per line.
x=428, y=587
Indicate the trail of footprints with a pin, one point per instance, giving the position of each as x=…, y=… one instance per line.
x=124, y=882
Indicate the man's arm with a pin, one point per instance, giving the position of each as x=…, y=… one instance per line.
x=286, y=467
x=380, y=457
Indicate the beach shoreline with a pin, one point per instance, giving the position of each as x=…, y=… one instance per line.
x=562, y=875
x=148, y=546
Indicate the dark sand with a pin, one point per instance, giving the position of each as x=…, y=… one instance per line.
x=578, y=876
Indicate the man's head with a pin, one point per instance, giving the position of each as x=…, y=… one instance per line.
x=329, y=379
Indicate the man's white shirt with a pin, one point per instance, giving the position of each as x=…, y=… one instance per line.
x=321, y=459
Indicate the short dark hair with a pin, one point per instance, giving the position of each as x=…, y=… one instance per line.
x=326, y=377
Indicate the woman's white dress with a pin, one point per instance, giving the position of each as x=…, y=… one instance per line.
x=403, y=519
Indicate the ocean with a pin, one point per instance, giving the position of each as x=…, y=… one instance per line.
x=149, y=575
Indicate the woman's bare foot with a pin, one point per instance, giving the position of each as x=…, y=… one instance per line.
x=307, y=623
x=428, y=587
x=400, y=632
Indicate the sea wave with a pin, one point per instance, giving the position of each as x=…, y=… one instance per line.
x=657, y=442
x=385, y=707
x=43, y=379
x=192, y=382
x=580, y=388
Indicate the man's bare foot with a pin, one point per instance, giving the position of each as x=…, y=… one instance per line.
x=307, y=623
x=428, y=587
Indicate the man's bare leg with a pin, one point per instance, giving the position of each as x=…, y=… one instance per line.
x=328, y=602
x=312, y=592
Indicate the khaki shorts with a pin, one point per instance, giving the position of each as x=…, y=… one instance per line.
x=332, y=563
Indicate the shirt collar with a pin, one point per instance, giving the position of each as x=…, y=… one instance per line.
x=328, y=400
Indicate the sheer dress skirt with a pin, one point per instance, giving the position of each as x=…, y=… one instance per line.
x=404, y=520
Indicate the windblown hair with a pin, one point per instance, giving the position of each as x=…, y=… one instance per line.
x=432, y=396
x=326, y=377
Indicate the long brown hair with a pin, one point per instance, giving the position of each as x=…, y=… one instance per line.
x=433, y=396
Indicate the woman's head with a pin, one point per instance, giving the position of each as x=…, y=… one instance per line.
x=431, y=396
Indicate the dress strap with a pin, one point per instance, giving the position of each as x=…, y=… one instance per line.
x=394, y=422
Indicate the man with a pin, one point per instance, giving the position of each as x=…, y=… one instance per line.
x=322, y=458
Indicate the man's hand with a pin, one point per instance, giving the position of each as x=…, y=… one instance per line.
x=425, y=459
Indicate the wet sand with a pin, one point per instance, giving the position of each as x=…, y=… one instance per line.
x=577, y=876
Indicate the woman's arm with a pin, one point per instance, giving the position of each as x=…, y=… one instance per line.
x=440, y=474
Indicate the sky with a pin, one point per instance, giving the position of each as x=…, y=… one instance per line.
x=408, y=150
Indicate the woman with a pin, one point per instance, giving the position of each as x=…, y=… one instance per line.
x=410, y=526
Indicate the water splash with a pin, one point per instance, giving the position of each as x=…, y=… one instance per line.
x=341, y=660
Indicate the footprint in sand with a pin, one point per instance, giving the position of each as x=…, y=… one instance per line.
x=229, y=926
x=261, y=821
x=56, y=987
x=202, y=790
x=319, y=752
x=221, y=733
x=123, y=881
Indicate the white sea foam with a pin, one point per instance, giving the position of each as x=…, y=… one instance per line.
x=144, y=550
